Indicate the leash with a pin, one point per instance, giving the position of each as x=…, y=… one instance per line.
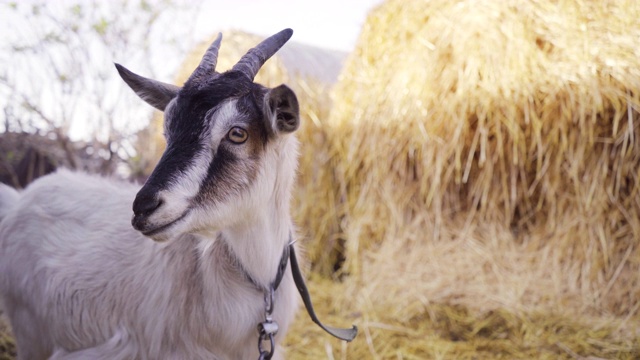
x=269, y=328
x=340, y=333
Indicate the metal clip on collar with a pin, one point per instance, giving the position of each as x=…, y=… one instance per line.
x=268, y=328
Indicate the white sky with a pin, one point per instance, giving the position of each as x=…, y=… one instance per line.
x=333, y=24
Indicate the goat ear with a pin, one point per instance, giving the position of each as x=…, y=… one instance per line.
x=155, y=93
x=283, y=109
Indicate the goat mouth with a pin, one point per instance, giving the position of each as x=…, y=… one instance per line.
x=159, y=229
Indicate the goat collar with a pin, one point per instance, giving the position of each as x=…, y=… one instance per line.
x=289, y=255
x=284, y=260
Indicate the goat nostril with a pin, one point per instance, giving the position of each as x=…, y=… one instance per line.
x=146, y=204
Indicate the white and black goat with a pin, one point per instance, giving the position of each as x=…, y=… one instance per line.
x=79, y=282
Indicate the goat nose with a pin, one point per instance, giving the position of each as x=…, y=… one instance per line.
x=146, y=203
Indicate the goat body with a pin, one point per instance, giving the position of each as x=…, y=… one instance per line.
x=78, y=281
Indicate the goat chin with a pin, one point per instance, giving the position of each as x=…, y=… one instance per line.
x=78, y=282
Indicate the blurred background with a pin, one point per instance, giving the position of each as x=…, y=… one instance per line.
x=469, y=181
x=59, y=80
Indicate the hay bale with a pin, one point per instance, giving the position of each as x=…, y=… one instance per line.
x=487, y=158
x=7, y=344
x=520, y=114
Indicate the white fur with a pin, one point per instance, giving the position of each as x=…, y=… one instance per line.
x=80, y=283
x=8, y=198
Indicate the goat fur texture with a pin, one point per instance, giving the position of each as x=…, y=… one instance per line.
x=79, y=282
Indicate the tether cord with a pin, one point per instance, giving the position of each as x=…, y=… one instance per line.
x=340, y=333
x=269, y=328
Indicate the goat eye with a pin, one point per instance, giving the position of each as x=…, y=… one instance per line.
x=237, y=135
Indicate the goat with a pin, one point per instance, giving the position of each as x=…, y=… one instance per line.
x=80, y=278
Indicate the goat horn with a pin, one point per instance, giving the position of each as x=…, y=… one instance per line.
x=208, y=63
x=253, y=60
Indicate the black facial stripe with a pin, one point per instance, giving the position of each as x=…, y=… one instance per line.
x=173, y=164
x=220, y=176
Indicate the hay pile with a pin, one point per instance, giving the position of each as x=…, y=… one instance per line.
x=485, y=183
x=7, y=346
